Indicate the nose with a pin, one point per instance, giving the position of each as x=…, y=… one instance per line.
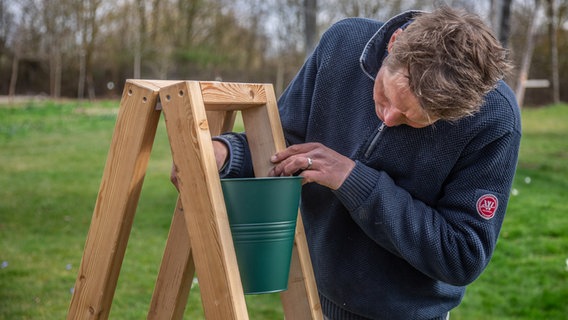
x=391, y=117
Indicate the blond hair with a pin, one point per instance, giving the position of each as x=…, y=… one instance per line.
x=453, y=60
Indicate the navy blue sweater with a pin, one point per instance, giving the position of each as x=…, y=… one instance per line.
x=419, y=216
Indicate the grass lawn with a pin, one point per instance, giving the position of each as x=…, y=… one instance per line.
x=51, y=162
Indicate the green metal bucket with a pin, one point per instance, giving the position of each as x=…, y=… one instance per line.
x=262, y=214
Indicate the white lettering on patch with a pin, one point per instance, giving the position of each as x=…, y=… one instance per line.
x=487, y=206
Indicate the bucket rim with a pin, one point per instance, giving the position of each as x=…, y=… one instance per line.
x=262, y=178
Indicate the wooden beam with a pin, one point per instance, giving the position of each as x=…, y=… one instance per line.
x=200, y=190
x=178, y=268
x=116, y=203
x=176, y=272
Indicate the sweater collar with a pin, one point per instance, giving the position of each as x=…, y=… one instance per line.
x=374, y=52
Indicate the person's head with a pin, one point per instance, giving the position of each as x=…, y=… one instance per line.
x=439, y=67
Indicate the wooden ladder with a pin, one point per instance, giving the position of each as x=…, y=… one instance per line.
x=200, y=238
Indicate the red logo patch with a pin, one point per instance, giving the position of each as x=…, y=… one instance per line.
x=487, y=205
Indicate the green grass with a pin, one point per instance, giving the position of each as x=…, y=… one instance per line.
x=52, y=155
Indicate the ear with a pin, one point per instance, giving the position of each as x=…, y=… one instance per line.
x=393, y=39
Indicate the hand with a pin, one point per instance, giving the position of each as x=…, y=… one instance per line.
x=221, y=151
x=327, y=168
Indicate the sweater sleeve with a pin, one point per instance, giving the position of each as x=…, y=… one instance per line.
x=451, y=240
x=239, y=163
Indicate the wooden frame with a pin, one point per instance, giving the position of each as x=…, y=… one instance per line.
x=199, y=239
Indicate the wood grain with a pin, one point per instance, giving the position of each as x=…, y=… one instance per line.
x=116, y=204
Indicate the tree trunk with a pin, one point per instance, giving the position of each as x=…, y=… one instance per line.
x=81, y=82
x=553, y=39
x=89, y=25
x=55, y=67
x=505, y=28
x=501, y=20
x=310, y=25
x=156, y=16
x=140, y=42
x=14, y=75
x=496, y=15
x=527, y=54
x=80, y=13
x=136, y=74
x=91, y=86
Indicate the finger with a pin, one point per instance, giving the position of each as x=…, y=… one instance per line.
x=308, y=165
x=308, y=176
x=294, y=150
x=290, y=166
x=271, y=173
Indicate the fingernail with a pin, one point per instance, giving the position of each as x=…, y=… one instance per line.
x=273, y=158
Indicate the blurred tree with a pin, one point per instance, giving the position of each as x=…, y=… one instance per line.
x=140, y=37
x=188, y=11
x=6, y=26
x=500, y=16
x=26, y=44
x=552, y=16
x=289, y=46
x=545, y=63
x=88, y=22
x=362, y=8
x=310, y=25
x=79, y=47
x=57, y=30
x=528, y=53
x=6, y=29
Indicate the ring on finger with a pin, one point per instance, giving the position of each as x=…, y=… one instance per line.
x=310, y=162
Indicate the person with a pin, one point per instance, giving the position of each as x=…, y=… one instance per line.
x=407, y=140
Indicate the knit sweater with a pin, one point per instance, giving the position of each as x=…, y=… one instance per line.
x=419, y=216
